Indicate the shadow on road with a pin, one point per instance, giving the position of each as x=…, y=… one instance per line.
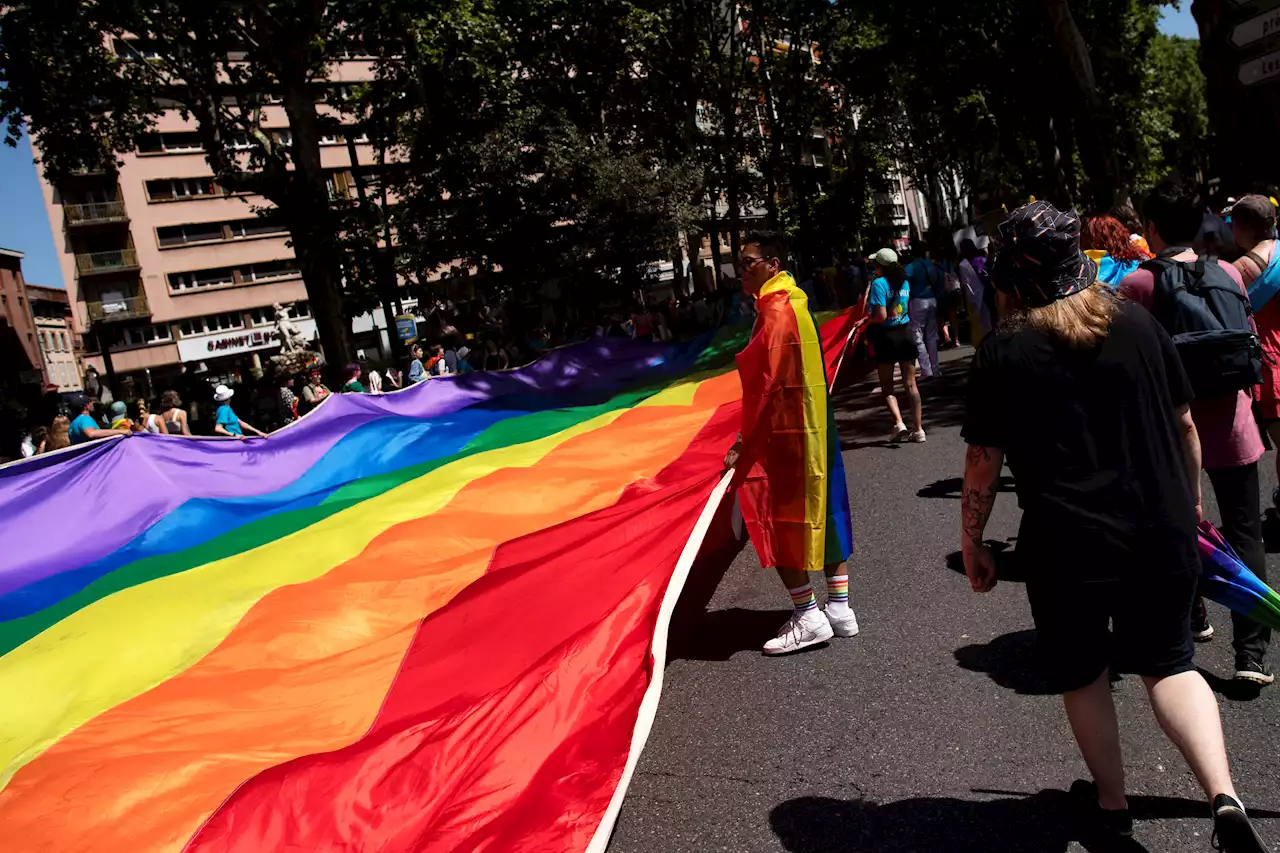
x=1007, y=568
x=952, y=486
x=1046, y=822
x=1271, y=531
x=1009, y=660
x=1229, y=688
x=720, y=634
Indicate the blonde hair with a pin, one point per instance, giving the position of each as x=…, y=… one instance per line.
x=59, y=436
x=1082, y=320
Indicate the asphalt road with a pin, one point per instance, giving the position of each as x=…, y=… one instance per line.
x=928, y=732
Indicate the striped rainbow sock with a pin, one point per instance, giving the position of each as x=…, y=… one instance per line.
x=803, y=599
x=838, y=589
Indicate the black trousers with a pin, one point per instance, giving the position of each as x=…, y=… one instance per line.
x=1240, y=504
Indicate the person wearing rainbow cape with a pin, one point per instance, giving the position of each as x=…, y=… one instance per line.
x=790, y=475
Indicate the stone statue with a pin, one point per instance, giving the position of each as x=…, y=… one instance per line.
x=291, y=339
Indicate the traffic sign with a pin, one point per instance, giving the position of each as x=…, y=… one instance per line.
x=1262, y=68
x=1256, y=28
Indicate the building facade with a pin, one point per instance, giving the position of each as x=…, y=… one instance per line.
x=61, y=352
x=20, y=361
x=167, y=273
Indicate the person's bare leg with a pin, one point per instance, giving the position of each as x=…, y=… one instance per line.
x=835, y=570
x=913, y=394
x=1093, y=722
x=886, y=391
x=793, y=578
x=1186, y=710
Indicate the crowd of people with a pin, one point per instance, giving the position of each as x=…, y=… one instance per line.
x=1118, y=357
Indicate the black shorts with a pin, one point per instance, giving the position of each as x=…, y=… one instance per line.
x=1150, y=620
x=892, y=344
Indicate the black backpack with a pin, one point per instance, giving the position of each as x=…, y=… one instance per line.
x=1207, y=315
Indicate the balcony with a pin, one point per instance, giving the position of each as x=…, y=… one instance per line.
x=96, y=214
x=95, y=263
x=114, y=308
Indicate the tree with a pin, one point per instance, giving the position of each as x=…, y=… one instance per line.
x=90, y=80
x=1172, y=122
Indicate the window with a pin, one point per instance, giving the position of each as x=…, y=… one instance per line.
x=212, y=323
x=256, y=227
x=328, y=139
x=284, y=137
x=339, y=185
x=62, y=340
x=182, y=142
x=135, y=49
x=142, y=336
x=240, y=142
x=269, y=270
x=171, y=188
x=337, y=94
x=180, y=281
x=200, y=232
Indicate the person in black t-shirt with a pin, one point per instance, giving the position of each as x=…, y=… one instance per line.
x=1086, y=397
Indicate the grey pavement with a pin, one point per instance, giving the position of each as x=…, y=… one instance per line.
x=930, y=731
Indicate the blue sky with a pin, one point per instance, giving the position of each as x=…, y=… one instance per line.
x=25, y=227
x=1178, y=22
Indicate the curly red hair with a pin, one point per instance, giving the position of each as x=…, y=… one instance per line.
x=1108, y=234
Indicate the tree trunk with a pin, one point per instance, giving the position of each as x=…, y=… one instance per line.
x=713, y=230
x=1093, y=138
x=310, y=217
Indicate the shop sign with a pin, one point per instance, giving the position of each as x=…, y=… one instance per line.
x=406, y=327
x=199, y=347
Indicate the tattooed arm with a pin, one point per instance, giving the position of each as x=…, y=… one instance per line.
x=981, y=482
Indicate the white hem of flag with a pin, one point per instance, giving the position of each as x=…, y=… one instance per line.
x=649, y=704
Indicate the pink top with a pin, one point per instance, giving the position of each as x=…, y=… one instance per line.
x=1228, y=433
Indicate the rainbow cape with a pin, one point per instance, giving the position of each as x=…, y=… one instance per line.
x=430, y=620
x=1228, y=581
x=794, y=496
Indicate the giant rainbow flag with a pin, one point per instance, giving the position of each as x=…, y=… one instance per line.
x=431, y=620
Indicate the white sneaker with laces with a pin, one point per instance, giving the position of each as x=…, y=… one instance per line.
x=899, y=432
x=917, y=437
x=800, y=631
x=842, y=624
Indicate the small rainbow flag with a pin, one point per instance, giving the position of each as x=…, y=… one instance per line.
x=430, y=620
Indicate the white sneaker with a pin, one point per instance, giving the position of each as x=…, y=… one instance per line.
x=842, y=625
x=916, y=437
x=800, y=631
x=899, y=432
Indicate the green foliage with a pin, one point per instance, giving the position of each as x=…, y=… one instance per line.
x=1174, y=121
x=583, y=142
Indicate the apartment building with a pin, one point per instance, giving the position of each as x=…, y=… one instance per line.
x=19, y=353
x=60, y=349
x=167, y=272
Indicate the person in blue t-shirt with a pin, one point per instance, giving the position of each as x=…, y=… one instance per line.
x=226, y=422
x=892, y=341
x=85, y=427
x=926, y=280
